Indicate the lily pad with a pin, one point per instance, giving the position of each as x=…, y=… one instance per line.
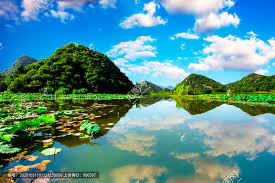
x=50, y=151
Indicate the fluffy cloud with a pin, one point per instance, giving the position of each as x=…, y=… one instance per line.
x=207, y=171
x=64, y=16
x=140, y=49
x=137, y=172
x=185, y=36
x=1, y=46
x=72, y=4
x=31, y=8
x=167, y=69
x=8, y=9
x=235, y=53
x=158, y=69
x=196, y=7
x=237, y=142
x=141, y=144
x=108, y=3
x=184, y=156
x=132, y=50
x=213, y=21
x=261, y=71
x=31, y=11
x=148, y=19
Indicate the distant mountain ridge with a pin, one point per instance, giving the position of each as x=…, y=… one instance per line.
x=23, y=60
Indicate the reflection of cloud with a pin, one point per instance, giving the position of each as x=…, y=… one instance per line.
x=136, y=143
x=153, y=118
x=207, y=171
x=236, y=138
x=137, y=172
x=184, y=156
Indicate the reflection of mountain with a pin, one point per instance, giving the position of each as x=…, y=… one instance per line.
x=255, y=110
x=196, y=106
x=111, y=114
x=147, y=101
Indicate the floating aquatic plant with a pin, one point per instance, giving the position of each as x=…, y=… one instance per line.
x=50, y=151
x=7, y=149
x=90, y=127
x=41, y=110
x=47, y=119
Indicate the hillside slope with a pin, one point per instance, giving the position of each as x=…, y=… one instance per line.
x=253, y=83
x=149, y=87
x=198, y=84
x=23, y=60
x=70, y=68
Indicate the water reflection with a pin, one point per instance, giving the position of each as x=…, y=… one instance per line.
x=196, y=106
x=137, y=173
x=232, y=139
x=166, y=141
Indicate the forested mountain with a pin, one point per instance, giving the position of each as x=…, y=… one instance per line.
x=148, y=87
x=23, y=60
x=198, y=84
x=254, y=82
x=72, y=68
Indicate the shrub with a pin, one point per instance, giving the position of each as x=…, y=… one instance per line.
x=80, y=91
x=62, y=90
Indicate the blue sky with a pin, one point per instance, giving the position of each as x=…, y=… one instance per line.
x=160, y=41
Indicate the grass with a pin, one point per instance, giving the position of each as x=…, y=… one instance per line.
x=34, y=97
x=267, y=99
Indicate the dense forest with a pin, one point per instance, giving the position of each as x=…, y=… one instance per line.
x=71, y=69
x=78, y=69
x=254, y=83
x=198, y=84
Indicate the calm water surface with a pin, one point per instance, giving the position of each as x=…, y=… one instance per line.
x=164, y=141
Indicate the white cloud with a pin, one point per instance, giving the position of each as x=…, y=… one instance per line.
x=108, y=3
x=139, y=172
x=31, y=11
x=196, y=7
x=72, y=4
x=140, y=69
x=132, y=50
x=140, y=49
x=1, y=46
x=235, y=53
x=185, y=36
x=213, y=21
x=148, y=19
x=273, y=63
x=120, y=61
x=64, y=16
x=167, y=69
x=8, y=9
x=238, y=142
x=261, y=71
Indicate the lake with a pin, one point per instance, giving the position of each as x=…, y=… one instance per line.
x=157, y=140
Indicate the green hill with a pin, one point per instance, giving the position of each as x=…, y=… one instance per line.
x=72, y=68
x=198, y=84
x=23, y=60
x=148, y=87
x=253, y=83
